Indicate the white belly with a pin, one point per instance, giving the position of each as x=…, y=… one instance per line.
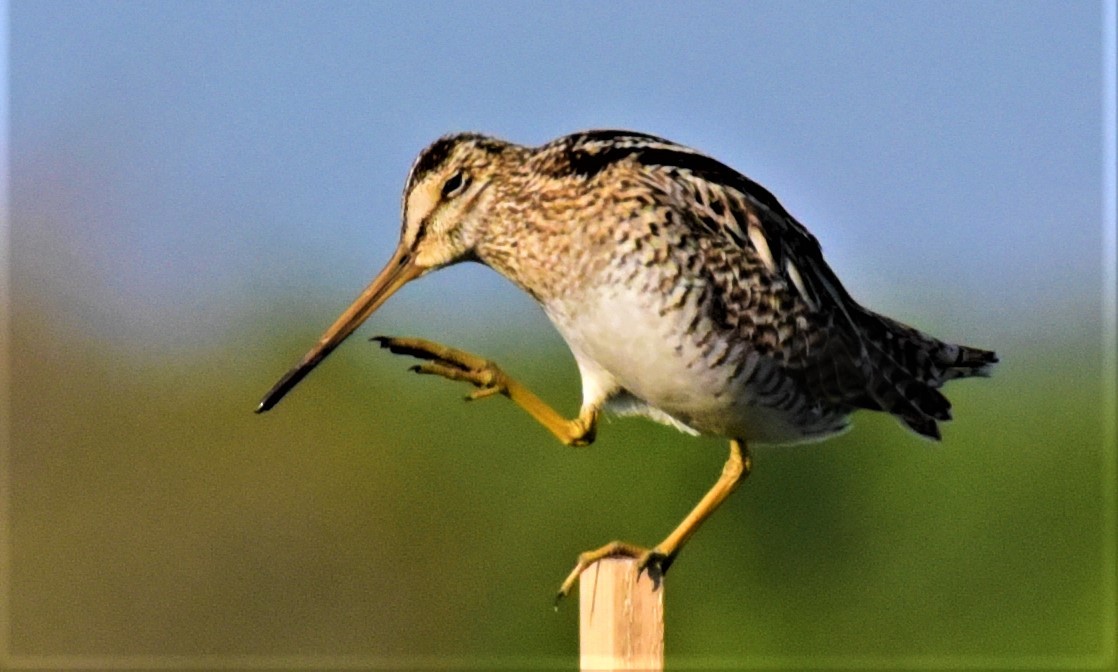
x=636, y=361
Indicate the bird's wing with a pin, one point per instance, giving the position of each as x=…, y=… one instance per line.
x=799, y=312
x=776, y=288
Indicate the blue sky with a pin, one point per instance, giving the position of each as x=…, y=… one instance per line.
x=180, y=167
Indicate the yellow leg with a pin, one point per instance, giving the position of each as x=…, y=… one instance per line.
x=658, y=559
x=490, y=380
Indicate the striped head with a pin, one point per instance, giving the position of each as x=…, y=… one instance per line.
x=444, y=202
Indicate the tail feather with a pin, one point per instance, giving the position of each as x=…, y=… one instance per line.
x=971, y=362
x=910, y=366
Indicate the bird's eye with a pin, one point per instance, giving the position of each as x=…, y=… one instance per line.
x=454, y=184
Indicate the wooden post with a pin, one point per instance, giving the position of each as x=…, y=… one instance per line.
x=621, y=619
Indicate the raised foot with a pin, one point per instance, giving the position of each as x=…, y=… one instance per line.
x=654, y=561
x=449, y=363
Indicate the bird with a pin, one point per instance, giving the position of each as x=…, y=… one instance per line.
x=685, y=291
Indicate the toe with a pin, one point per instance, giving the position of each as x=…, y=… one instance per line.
x=656, y=563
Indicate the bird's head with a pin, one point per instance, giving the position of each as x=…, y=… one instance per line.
x=444, y=205
x=444, y=215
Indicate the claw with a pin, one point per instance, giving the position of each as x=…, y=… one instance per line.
x=489, y=380
x=449, y=363
x=412, y=347
x=654, y=561
x=656, y=564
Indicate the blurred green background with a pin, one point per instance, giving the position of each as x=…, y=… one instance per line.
x=376, y=514
x=198, y=189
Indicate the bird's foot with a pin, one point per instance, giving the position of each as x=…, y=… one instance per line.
x=450, y=363
x=654, y=561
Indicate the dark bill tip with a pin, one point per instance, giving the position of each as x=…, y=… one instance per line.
x=281, y=388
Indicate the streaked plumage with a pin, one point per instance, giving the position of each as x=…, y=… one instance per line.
x=731, y=293
x=686, y=292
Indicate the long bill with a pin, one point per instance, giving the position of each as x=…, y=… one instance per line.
x=400, y=270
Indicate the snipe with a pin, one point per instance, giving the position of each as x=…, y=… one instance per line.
x=685, y=291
